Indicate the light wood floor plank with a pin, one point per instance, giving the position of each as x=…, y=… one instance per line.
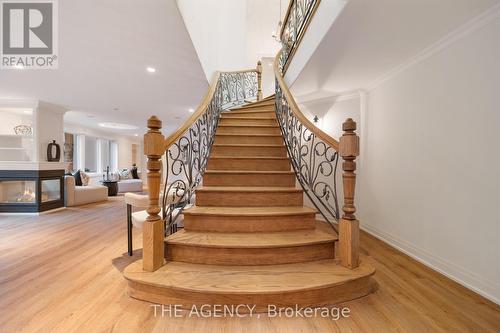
x=61, y=272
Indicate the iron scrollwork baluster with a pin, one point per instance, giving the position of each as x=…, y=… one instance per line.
x=187, y=158
x=314, y=162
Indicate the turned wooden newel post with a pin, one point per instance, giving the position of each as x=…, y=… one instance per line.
x=259, y=80
x=348, y=225
x=153, y=229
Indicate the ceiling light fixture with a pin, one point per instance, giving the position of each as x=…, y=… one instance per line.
x=151, y=69
x=118, y=126
x=136, y=134
x=191, y=110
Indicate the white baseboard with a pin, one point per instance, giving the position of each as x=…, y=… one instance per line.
x=472, y=281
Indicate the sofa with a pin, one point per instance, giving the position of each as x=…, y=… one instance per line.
x=129, y=185
x=81, y=195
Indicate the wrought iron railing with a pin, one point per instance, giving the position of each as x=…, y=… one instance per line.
x=239, y=88
x=188, y=150
x=295, y=24
x=313, y=160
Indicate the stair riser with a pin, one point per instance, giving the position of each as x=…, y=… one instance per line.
x=249, y=151
x=287, y=180
x=222, y=223
x=262, y=107
x=247, y=130
x=318, y=297
x=238, y=139
x=215, y=163
x=247, y=121
x=248, y=199
x=256, y=114
x=249, y=256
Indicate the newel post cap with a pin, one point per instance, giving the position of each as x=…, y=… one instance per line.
x=349, y=141
x=153, y=139
x=154, y=123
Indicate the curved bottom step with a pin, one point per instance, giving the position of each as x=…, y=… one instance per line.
x=311, y=284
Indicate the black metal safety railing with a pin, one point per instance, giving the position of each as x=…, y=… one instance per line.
x=297, y=18
x=314, y=157
x=314, y=161
x=187, y=157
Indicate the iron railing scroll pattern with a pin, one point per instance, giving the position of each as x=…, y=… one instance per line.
x=314, y=161
x=187, y=152
x=297, y=18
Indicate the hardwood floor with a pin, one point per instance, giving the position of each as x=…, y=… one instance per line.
x=61, y=272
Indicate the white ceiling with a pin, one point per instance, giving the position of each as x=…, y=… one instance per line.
x=369, y=38
x=105, y=47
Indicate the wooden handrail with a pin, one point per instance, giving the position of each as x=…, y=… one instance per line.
x=199, y=111
x=296, y=111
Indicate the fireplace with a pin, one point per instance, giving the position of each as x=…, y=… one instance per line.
x=31, y=191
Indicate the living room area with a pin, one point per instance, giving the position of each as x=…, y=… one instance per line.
x=51, y=160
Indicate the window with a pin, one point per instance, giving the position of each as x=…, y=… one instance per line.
x=93, y=154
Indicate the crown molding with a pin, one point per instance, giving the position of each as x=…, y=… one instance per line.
x=334, y=97
x=465, y=29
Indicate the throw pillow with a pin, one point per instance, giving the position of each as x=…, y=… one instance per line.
x=125, y=174
x=134, y=173
x=85, y=178
x=78, y=178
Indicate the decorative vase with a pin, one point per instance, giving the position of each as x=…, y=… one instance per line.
x=23, y=130
x=53, y=152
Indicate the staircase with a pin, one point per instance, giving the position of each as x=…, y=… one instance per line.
x=250, y=239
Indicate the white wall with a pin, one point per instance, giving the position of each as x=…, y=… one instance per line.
x=326, y=13
x=218, y=31
x=12, y=118
x=49, y=126
x=231, y=34
x=430, y=182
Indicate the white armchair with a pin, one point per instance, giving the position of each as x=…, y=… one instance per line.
x=137, y=219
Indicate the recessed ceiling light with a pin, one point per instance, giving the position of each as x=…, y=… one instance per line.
x=151, y=69
x=191, y=110
x=118, y=126
x=136, y=134
x=28, y=111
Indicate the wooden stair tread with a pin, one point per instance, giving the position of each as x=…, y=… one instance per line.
x=246, y=135
x=249, y=157
x=249, y=125
x=247, y=189
x=323, y=233
x=247, y=145
x=249, y=211
x=249, y=172
x=246, y=111
x=248, y=119
x=255, y=280
x=264, y=104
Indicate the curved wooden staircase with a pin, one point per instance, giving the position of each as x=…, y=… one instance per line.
x=250, y=239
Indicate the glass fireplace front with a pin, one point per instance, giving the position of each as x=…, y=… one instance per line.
x=17, y=191
x=31, y=191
